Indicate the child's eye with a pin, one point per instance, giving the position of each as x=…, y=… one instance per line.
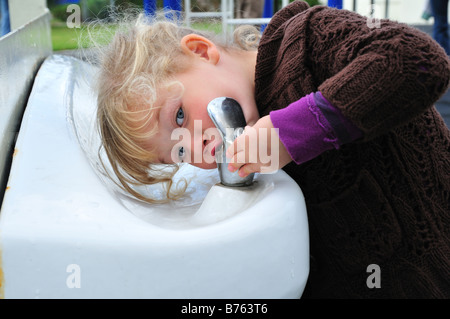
x=180, y=117
x=181, y=152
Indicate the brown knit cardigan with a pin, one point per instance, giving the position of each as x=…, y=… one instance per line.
x=384, y=199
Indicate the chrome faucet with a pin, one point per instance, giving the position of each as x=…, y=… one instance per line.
x=227, y=116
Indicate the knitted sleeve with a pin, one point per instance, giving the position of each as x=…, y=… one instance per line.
x=378, y=75
x=321, y=128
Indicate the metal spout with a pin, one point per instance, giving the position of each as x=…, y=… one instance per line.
x=227, y=116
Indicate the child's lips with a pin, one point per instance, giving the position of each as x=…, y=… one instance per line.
x=215, y=147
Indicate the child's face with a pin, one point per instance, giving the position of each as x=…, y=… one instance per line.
x=186, y=132
x=183, y=127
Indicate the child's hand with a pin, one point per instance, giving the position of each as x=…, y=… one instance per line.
x=258, y=149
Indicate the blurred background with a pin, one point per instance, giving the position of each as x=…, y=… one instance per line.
x=64, y=38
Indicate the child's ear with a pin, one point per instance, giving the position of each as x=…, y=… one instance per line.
x=198, y=46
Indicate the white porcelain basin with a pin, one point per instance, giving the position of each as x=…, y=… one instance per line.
x=65, y=232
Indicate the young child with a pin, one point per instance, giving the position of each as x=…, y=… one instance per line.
x=353, y=105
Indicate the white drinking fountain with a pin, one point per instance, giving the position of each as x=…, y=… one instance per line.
x=67, y=232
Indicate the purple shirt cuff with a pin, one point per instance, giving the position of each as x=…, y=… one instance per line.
x=345, y=130
x=306, y=132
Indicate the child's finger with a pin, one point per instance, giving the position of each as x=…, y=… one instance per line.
x=237, y=146
x=232, y=168
x=236, y=161
x=247, y=169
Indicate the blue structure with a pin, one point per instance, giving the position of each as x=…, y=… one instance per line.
x=335, y=3
x=268, y=9
x=67, y=1
x=5, y=26
x=150, y=6
x=267, y=12
x=172, y=4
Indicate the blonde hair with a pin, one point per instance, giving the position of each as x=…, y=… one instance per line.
x=141, y=57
